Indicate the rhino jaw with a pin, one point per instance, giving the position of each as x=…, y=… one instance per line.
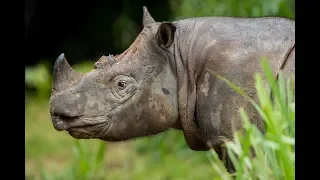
x=63, y=75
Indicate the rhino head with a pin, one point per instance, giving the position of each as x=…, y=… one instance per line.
x=130, y=95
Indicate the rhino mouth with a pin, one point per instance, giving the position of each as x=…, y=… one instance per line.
x=89, y=131
x=81, y=127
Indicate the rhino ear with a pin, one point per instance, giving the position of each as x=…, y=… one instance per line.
x=147, y=18
x=165, y=34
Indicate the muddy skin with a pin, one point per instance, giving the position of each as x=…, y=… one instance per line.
x=163, y=81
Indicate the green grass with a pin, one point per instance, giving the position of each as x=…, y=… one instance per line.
x=275, y=153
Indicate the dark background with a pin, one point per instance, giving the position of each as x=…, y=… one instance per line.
x=83, y=30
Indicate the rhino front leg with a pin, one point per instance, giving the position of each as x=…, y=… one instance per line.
x=217, y=111
x=225, y=158
x=288, y=67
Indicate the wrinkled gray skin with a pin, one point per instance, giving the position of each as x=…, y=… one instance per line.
x=162, y=81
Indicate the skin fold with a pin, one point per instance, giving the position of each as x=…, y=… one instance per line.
x=163, y=81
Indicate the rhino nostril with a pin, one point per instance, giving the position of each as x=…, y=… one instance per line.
x=64, y=117
x=67, y=118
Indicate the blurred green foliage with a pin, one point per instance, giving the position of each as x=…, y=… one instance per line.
x=87, y=163
x=39, y=78
x=237, y=8
x=124, y=29
x=56, y=155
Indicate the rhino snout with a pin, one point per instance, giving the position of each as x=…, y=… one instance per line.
x=65, y=108
x=65, y=105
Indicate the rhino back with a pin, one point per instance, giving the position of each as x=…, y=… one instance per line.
x=228, y=44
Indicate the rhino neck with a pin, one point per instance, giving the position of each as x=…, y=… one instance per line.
x=190, y=58
x=193, y=44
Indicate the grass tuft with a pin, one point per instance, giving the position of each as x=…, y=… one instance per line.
x=274, y=150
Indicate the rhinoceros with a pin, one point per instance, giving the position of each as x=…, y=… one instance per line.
x=163, y=81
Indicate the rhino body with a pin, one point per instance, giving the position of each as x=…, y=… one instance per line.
x=163, y=80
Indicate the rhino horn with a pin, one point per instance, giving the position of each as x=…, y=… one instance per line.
x=63, y=75
x=147, y=18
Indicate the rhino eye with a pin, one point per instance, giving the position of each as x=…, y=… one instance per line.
x=122, y=85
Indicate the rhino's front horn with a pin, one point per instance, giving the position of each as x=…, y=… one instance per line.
x=63, y=75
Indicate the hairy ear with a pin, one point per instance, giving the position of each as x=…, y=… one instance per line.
x=165, y=34
x=147, y=18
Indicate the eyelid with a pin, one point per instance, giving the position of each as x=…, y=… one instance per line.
x=122, y=81
x=120, y=77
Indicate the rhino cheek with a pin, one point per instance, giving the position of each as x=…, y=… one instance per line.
x=162, y=118
x=161, y=115
x=123, y=125
x=94, y=106
x=145, y=127
x=126, y=120
x=80, y=107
